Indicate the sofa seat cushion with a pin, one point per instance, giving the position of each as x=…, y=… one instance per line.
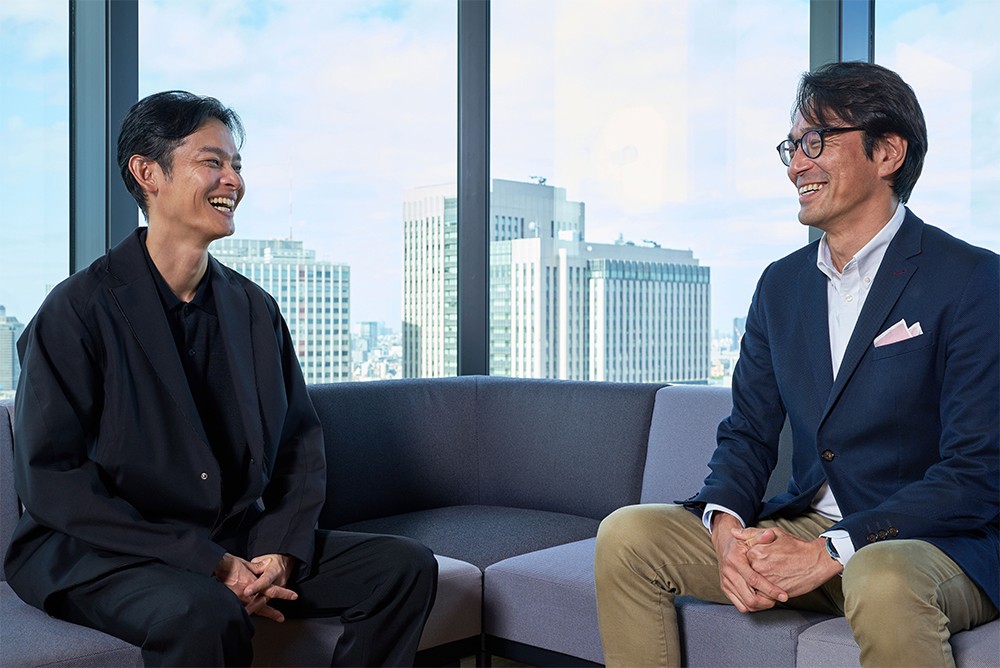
x=831, y=643
x=483, y=535
x=546, y=599
x=717, y=635
x=29, y=637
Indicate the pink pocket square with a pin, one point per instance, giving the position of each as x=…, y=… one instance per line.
x=898, y=332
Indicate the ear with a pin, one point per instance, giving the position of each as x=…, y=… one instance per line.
x=890, y=152
x=146, y=172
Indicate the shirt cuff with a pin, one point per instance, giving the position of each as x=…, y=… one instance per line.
x=710, y=508
x=843, y=544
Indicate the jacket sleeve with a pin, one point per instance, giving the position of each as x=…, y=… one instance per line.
x=748, y=439
x=59, y=411
x=296, y=489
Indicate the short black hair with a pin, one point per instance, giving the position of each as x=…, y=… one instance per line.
x=159, y=123
x=872, y=97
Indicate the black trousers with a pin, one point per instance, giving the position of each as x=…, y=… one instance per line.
x=381, y=587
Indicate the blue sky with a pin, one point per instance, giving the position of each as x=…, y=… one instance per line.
x=661, y=117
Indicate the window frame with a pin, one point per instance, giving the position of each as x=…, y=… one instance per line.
x=104, y=83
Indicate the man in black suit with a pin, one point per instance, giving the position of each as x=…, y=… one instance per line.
x=167, y=453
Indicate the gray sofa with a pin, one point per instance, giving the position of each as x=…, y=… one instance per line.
x=507, y=481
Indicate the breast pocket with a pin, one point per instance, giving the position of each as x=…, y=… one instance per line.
x=925, y=340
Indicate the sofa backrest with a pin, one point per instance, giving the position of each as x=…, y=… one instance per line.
x=9, y=505
x=682, y=438
x=564, y=446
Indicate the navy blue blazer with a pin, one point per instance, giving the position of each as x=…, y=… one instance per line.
x=909, y=433
x=111, y=459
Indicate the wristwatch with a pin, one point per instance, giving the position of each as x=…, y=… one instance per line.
x=832, y=550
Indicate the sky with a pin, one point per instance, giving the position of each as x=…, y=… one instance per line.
x=661, y=117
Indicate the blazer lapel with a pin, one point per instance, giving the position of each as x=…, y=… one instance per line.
x=816, y=324
x=235, y=320
x=140, y=304
x=893, y=275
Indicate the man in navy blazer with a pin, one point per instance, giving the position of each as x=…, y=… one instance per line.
x=879, y=344
x=167, y=453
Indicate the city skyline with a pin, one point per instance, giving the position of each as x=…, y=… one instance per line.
x=327, y=163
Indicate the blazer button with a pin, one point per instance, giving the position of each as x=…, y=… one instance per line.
x=893, y=531
x=204, y=476
x=828, y=456
x=882, y=534
x=872, y=538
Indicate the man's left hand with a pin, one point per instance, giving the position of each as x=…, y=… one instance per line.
x=795, y=564
x=273, y=572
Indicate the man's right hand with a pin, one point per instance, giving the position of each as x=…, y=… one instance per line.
x=237, y=575
x=748, y=590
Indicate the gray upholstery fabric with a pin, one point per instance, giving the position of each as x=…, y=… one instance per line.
x=714, y=635
x=681, y=440
x=29, y=637
x=483, y=535
x=458, y=607
x=830, y=644
x=563, y=446
x=546, y=599
x=397, y=446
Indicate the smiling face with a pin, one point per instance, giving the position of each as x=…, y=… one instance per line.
x=197, y=199
x=843, y=187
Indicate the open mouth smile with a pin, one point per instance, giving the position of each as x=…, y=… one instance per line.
x=224, y=204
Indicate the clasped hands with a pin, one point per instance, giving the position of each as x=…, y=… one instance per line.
x=257, y=581
x=761, y=567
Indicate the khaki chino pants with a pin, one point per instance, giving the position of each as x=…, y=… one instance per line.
x=902, y=598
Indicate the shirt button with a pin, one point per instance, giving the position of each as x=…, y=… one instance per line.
x=204, y=476
x=867, y=280
x=828, y=456
x=849, y=298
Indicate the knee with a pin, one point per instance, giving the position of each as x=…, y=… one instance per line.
x=627, y=530
x=212, y=609
x=881, y=578
x=413, y=560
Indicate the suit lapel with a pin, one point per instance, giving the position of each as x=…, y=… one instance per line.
x=893, y=275
x=816, y=324
x=140, y=304
x=236, y=323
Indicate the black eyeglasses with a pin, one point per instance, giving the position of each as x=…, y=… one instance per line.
x=811, y=143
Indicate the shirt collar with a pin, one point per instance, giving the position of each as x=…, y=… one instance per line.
x=202, y=298
x=870, y=256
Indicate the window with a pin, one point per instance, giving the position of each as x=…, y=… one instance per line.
x=643, y=134
x=955, y=72
x=347, y=107
x=34, y=166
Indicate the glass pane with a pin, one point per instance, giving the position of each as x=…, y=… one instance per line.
x=34, y=165
x=637, y=193
x=347, y=105
x=946, y=50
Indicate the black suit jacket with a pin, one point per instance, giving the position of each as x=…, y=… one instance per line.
x=111, y=460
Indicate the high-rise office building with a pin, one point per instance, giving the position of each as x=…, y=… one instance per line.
x=430, y=282
x=560, y=307
x=314, y=297
x=10, y=368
